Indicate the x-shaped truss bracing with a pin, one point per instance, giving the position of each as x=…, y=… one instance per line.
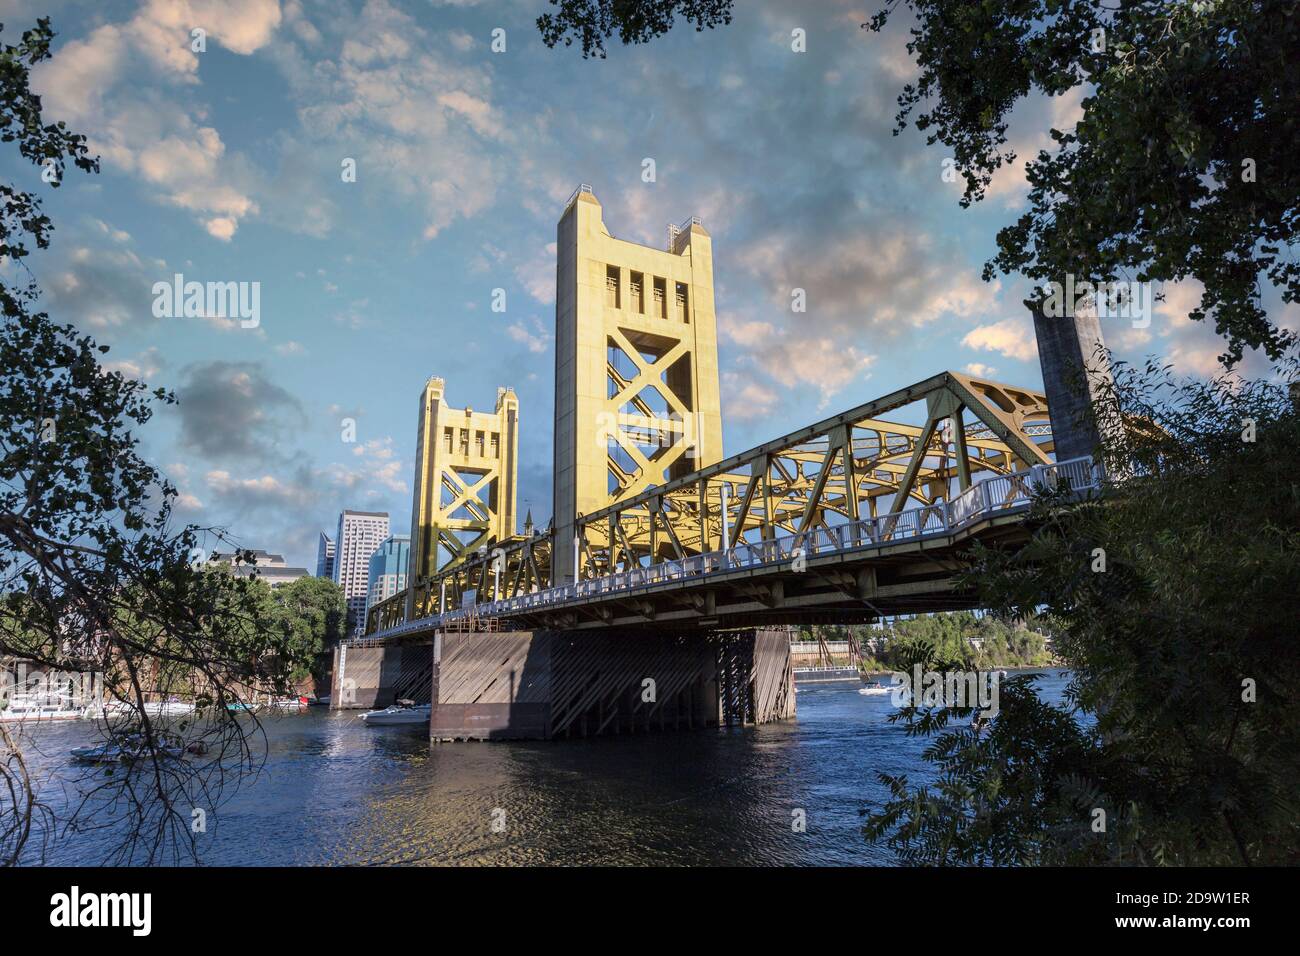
x=844, y=468
x=848, y=467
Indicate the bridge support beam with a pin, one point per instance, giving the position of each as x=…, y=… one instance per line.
x=541, y=685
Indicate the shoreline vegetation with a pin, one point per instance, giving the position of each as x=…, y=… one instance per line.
x=975, y=642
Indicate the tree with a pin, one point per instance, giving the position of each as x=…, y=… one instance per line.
x=1175, y=601
x=314, y=613
x=1182, y=166
x=592, y=22
x=93, y=577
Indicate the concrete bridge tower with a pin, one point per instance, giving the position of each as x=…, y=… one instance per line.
x=636, y=366
x=1076, y=373
x=466, y=483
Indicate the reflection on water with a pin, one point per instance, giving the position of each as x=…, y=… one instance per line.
x=336, y=791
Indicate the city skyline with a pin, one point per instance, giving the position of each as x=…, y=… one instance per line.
x=230, y=166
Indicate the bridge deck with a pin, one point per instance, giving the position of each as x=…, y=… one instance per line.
x=901, y=563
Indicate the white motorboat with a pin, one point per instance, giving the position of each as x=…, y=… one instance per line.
x=875, y=690
x=43, y=707
x=399, y=714
x=289, y=704
x=172, y=707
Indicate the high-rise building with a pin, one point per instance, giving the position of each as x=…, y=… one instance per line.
x=636, y=366
x=466, y=474
x=325, y=557
x=388, y=567
x=359, y=534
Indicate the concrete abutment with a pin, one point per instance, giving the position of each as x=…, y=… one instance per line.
x=542, y=685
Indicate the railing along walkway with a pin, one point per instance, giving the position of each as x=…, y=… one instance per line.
x=1000, y=495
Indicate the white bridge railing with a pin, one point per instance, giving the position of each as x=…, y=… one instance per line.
x=1001, y=494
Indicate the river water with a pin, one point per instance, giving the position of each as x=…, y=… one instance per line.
x=334, y=791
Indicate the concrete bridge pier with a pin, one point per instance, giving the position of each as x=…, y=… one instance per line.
x=541, y=685
x=367, y=678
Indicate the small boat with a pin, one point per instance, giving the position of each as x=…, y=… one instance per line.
x=171, y=707
x=403, y=712
x=241, y=707
x=319, y=701
x=126, y=750
x=875, y=690
x=43, y=707
x=289, y=703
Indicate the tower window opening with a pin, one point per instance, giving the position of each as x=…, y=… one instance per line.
x=496, y=445
x=660, y=299
x=635, y=285
x=611, y=287
x=478, y=444
x=464, y=441
x=682, y=313
x=446, y=439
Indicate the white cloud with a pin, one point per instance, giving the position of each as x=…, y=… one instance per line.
x=746, y=400
x=378, y=466
x=536, y=339
x=117, y=235
x=423, y=122
x=222, y=227
x=266, y=489
x=142, y=368
x=537, y=274
x=94, y=84
x=1010, y=337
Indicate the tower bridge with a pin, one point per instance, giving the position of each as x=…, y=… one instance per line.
x=664, y=561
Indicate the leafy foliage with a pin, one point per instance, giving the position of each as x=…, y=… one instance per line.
x=1181, y=166
x=1001, y=797
x=1183, y=651
x=958, y=637
x=313, y=613
x=592, y=22
x=93, y=578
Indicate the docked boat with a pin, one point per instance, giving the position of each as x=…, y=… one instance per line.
x=291, y=704
x=403, y=712
x=171, y=707
x=34, y=708
x=825, y=675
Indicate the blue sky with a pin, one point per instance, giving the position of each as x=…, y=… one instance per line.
x=225, y=165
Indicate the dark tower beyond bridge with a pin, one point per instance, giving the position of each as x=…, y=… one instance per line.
x=657, y=598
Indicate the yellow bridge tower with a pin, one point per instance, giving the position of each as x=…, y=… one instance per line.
x=466, y=480
x=636, y=367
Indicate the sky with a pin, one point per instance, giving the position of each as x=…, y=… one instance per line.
x=226, y=165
